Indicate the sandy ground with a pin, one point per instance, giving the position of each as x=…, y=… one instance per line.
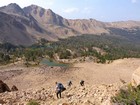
x=95, y=73
x=91, y=73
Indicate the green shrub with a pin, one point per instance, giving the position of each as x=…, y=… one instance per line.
x=128, y=96
x=32, y=102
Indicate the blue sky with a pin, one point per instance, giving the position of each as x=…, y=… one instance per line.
x=103, y=10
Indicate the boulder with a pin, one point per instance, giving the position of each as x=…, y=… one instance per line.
x=135, y=80
x=14, y=88
x=3, y=87
x=2, y=102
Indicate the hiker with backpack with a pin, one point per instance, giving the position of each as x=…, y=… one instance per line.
x=69, y=83
x=82, y=82
x=59, y=89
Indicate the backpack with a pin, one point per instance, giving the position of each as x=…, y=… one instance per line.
x=61, y=87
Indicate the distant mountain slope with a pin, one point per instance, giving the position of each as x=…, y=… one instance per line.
x=28, y=25
x=88, y=26
x=50, y=21
x=13, y=31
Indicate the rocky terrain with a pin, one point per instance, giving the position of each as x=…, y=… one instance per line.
x=75, y=95
x=28, y=25
x=102, y=81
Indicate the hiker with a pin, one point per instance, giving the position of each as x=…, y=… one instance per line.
x=82, y=82
x=59, y=89
x=69, y=83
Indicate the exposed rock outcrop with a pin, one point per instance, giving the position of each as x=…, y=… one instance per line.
x=136, y=77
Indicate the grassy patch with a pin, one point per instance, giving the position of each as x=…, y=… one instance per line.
x=128, y=96
x=33, y=102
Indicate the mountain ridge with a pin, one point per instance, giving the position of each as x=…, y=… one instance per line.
x=38, y=23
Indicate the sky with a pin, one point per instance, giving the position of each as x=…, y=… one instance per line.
x=102, y=10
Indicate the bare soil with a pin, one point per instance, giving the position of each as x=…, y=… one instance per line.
x=92, y=73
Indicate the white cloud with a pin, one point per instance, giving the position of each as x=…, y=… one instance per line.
x=71, y=10
x=134, y=1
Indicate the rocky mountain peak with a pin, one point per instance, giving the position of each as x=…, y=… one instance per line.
x=14, y=5
x=36, y=10
x=12, y=8
x=44, y=16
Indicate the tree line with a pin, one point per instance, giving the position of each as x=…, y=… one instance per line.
x=111, y=47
